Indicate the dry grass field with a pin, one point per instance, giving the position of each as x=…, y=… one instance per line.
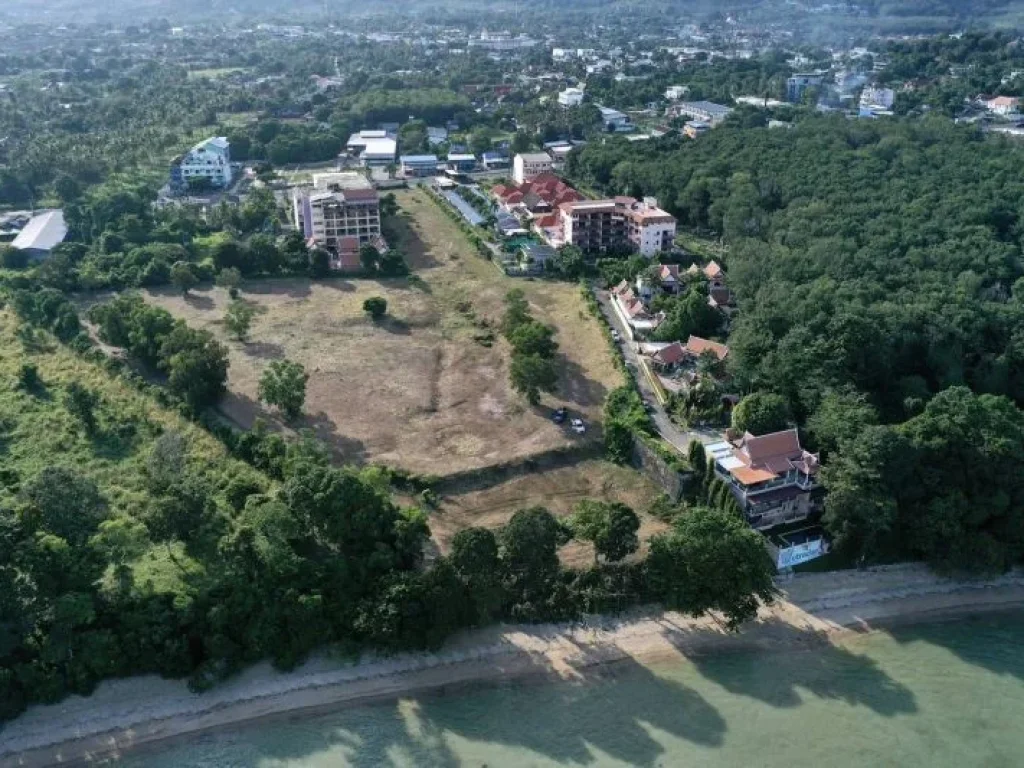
x=559, y=490
x=414, y=390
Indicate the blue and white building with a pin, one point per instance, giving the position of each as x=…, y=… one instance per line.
x=418, y=165
x=210, y=159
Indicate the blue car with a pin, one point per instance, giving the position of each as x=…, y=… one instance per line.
x=559, y=415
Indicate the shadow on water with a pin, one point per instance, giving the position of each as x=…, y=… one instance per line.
x=806, y=661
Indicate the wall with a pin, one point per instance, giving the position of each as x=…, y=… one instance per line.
x=673, y=481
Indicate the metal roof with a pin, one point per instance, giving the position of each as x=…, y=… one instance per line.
x=44, y=233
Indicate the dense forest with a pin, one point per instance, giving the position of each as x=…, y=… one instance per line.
x=876, y=265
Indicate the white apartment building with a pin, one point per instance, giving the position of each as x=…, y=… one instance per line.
x=210, y=159
x=571, y=97
x=340, y=209
x=621, y=223
x=526, y=167
x=677, y=92
x=877, y=97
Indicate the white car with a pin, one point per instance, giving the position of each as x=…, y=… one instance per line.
x=615, y=335
x=578, y=426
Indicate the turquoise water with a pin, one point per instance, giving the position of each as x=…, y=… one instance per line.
x=948, y=694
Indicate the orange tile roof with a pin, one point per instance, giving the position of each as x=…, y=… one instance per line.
x=696, y=346
x=749, y=476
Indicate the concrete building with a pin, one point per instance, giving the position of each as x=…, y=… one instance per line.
x=878, y=97
x=696, y=128
x=571, y=97
x=798, y=84
x=44, y=232
x=209, y=160
x=418, y=165
x=494, y=161
x=528, y=166
x=373, y=148
x=618, y=224
x=1003, y=105
x=705, y=111
x=676, y=92
x=461, y=163
x=340, y=213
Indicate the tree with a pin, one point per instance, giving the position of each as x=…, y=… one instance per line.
x=529, y=550
x=521, y=142
x=196, y=366
x=81, y=403
x=533, y=338
x=183, y=278
x=283, y=384
x=230, y=278
x=711, y=561
x=376, y=307
x=65, y=504
x=238, y=319
x=531, y=375
x=319, y=263
x=475, y=558
x=568, y=262
x=369, y=257
x=610, y=526
x=761, y=413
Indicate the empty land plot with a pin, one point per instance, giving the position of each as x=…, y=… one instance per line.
x=559, y=490
x=414, y=390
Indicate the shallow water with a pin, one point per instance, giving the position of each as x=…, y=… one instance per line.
x=949, y=694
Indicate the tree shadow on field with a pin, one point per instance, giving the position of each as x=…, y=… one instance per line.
x=419, y=254
x=264, y=350
x=393, y=325
x=199, y=301
x=295, y=287
x=345, y=450
x=805, y=662
x=575, y=386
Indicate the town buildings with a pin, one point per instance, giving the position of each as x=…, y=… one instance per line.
x=530, y=165
x=208, y=163
x=705, y=111
x=1003, y=105
x=571, y=97
x=676, y=92
x=614, y=121
x=460, y=163
x=340, y=214
x=798, y=84
x=772, y=477
x=414, y=166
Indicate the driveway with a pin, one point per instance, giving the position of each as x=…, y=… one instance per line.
x=680, y=438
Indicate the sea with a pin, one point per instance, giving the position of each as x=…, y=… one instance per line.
x=947, y=694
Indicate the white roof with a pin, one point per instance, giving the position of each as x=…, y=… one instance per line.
x=535, y=157
x=380, y=147
x=44, y=233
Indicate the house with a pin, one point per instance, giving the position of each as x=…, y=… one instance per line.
x=771, y=476
x=415, y=166
x=461, y=163
x=875, y=98
x=618, y=224
x=436, y=136
x=705, y=111
x=613, y=120
x=340, y=214
x=1003, y=105
x=527, y=166
x=494, y=161
x=696, y=128
x=799, y=83
x=209, y=160
x=571, y=97
x=719, y=295
x=676, y=92
x=669, y=357
x=538, y=197
x=43, y=232
x=633, y=312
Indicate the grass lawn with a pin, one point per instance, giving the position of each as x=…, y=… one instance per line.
x=559, y=490
x=416, y=390
x=704, y=247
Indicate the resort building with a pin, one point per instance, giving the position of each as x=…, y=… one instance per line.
x=340, y=214
x=209, y=160
x=618, y=224
x=771, y=476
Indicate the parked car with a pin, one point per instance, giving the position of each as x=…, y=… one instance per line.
x=559, y=415
x=615, y=335
x=578, y=426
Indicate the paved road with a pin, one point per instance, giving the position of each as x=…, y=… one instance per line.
x=672, y=433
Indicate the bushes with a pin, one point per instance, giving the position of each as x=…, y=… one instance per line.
x=533, y=349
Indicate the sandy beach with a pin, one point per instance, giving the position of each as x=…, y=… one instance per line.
x=816, y=608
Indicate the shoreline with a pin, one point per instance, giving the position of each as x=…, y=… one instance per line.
x=146, y=713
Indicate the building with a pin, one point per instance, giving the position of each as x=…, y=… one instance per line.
x=676, y=92
x=340, y=214
x=694, y=129
x=705, y=111
x=798, y=84
x=771, y=476
x=373, y=148
x=571, y=97
x=669, y=357
x=528, y=166
x=437, y=136
x=535, y=256
x=614, y=121
x=882, y=98
x=1003, y=105
x=632, y=311
x=44, y=232
x=494, y=161
x=619, y=224
x=209, y=160
x=418, y=165
x=539, y=197
x=461, y=163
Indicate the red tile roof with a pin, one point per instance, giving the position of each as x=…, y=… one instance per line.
x=696, y=346
x=671, y=354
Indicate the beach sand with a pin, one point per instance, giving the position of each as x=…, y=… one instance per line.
x=128, y=714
